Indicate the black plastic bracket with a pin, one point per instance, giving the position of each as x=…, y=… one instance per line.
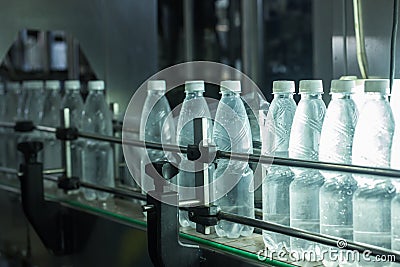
x=51, y=221
x=204, y=215
x=193, y=152
x=67, y=134
x=68, y=184
x=24, y=126
x=164, y=246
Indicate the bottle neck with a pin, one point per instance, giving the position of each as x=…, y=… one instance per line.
x=311, y=96
x=341, y=96
x=156, y=92
x=96, y=92
x=229, y=93
x=34, y=91
x=283, y=95
x=375, y=96
x=194, y=94
x=73, y=92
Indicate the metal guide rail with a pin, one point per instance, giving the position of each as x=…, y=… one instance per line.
x=220, y=214
x=256, y=158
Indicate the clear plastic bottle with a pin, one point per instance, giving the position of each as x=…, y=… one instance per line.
x=395, y=164
x=336, y=195
x=395, y=105
x=232, y=133
x=13, y=113
x=97, y=156
x=34, y=100
x=73, y=101
x=194, y=106
x=156, y=125
x=256, y=108
x=32, y=111
x=278, y=178
x=304, y=144
x=51, y=118
x=371, y=147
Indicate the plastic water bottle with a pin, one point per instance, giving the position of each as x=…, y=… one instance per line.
x=194, y=106
x=51, y=118
x=13, y=113
x=278, y=178
x=304, y=144
x=73, y=100
x=395, y=105
x=97, y=156
x=156, y=125
x=395, y=164
x=336, y=195
x=372, y=147
x=32, y=111
x=34, y=100
x=256, y=109
x=232, y=133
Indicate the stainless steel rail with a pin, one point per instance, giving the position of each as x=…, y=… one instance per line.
x=315, y=237
x=318, y=165
x=112, y=190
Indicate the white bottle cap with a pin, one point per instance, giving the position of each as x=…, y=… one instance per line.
x=35, y=85
x=96, y=85
x=52, y=85
x=283, y=87
x=156, y=85
x=377, y=86
x=72, y=85
x=194, y=86
x=342, y=86
x=233, y=86
x=311, y=86
x=13, y=86
x=352, y=77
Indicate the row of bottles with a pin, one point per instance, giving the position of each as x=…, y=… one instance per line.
x=230, y=132
x=41, y=103
x=353, y=207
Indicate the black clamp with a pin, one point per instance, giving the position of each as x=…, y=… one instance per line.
x=24, y=126
x=68, y=184
x=204, y=216
x=193, y=152
x=67, y=134
x=204, y=154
